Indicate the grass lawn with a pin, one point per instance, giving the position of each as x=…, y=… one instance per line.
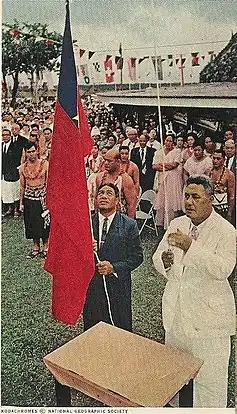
x=29, y=332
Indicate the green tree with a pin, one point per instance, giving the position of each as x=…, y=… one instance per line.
x=30, y=49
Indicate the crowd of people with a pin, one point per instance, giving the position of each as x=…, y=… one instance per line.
x=124, y=152
x=192, y=178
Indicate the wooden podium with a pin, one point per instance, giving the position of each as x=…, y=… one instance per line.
x=121, y=369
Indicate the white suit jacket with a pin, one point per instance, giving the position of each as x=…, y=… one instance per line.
x=197, y=281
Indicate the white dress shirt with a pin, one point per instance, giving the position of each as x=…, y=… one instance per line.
x=109, y=222
x=101, y=222
x=154, y=144
x=5, y=146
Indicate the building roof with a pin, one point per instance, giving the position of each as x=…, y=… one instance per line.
x=200, y=95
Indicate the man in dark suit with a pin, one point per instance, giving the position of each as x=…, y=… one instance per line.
x=143, y=158
x=10, y=175
x=230, y=152
x=19, y=141
x=119, y=252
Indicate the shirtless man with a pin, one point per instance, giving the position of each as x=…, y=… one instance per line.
x=224, y=186
x=113, y=174
x=33, y=179
x=129, y=167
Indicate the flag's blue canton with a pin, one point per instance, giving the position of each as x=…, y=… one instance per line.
x=67, y=89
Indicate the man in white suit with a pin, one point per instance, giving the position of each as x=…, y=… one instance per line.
x=197, y=255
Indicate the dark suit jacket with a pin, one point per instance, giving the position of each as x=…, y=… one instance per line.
x=147, y=179
x=20, y=144
x=10, y=163
x=233, y=166
x=122, y=248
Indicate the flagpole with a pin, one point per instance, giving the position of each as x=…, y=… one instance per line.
x=182, y=71
x=160, y=118
x=121, y=57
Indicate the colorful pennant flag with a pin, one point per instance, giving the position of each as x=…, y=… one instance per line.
x=212, y=55
x=157, y=62
x=90, y=54
x=170, y=60
x=97, y=66
x=81, y=52
x=109, y=74
x=141, y=59
x=119, y=62
x=195, y=59
x=132, y=68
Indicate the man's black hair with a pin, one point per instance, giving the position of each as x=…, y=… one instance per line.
x=198, y=143
x=124, y=147
x=35, y=126
x=47, y=129
x=111, y=185
x=29, y=145
x=220, y=151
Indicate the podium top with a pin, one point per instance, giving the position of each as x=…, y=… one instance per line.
x=140, y=371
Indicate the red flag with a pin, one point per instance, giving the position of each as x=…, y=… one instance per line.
x=70, y=258
x=109, y=74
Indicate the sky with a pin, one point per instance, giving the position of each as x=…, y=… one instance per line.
x=100, y=25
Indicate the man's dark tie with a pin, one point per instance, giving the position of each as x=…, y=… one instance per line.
x=4, y=149
x=104, y=232
x=228, y=162
x=142, y=154
x=151, y=145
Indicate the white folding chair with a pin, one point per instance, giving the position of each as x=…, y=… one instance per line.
x=139, y=198
x=149, y=196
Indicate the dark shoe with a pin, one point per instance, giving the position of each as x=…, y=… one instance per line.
x=33, y=254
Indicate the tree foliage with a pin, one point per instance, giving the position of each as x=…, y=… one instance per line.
x=224, y=67
x=28, y=48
